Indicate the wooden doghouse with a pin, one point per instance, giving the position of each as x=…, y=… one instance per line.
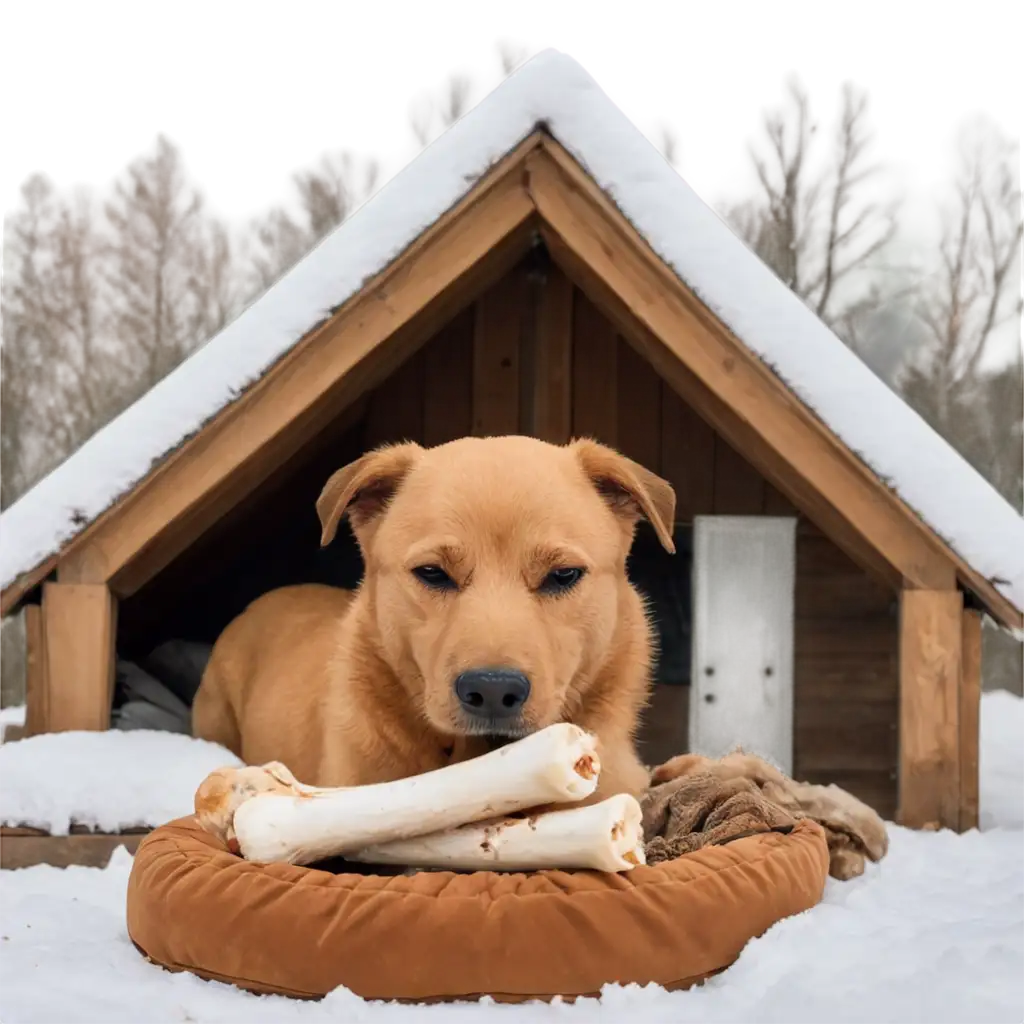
x=541, y=270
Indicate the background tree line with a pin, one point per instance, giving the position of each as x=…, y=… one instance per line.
x=103, y=295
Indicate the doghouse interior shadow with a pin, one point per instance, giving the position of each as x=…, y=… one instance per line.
x=272, y=539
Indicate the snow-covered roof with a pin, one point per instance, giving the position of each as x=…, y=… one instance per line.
x=928, y=474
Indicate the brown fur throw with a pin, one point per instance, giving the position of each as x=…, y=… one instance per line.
x=695, y=801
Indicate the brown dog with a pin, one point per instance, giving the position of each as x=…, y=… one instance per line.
x=495, y=602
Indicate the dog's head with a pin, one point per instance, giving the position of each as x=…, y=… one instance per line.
x=496, y=570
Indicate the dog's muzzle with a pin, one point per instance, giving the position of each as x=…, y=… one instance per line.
x=492, y=700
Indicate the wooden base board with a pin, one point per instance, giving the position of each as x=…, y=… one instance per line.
x=26, y=847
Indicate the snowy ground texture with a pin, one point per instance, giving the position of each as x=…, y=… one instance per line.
x=935, y=933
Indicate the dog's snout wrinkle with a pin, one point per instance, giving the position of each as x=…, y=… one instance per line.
x=493, y=692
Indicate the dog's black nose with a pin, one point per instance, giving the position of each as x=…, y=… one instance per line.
x=492, y=692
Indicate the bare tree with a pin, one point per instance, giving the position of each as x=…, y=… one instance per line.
x=668, y=146
x=969, y=380
x=511, y=55
x=98, y=304
x=430, y=116
x=327, y=194
x=811, y=223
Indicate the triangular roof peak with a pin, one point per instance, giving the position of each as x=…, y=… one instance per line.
x=554, y=93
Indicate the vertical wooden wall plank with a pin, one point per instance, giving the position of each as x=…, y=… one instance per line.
x=639, y=402
x=687, y=456
x=776, y=503
x=846, y=675
x=552, y=359
x=396, y=407
x=497, y=336
x=595, y=372
x=448, y=382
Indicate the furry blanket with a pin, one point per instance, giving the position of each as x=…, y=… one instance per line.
x=695, y=801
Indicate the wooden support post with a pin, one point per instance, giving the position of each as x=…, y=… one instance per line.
x=36, y=711
x=930, y=670
x=79, y=626
x=970, y=713
x=552, y=359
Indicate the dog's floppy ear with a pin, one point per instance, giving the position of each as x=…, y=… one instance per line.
x=363, y=488
x=631, y=491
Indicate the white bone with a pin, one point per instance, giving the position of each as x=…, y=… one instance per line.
x=607, y=836
x=223, y=791
x=276, y=819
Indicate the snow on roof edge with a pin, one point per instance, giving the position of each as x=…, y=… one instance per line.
x=894, y=442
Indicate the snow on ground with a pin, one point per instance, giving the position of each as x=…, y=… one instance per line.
x=1002, y=761
x=11, y=716
x=108, y=781
x=935, y=933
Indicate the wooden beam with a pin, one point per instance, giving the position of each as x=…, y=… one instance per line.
x=470, y=246
x=552, y=359
x=497, y=336
x=80, y=626
x=970, y=713
x=588, y=225
x=26, y=847
x=930, y=667
x=36, y=690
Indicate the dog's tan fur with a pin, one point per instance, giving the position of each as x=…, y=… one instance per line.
x=349, y=688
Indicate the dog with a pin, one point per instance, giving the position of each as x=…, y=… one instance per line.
x=494, y=602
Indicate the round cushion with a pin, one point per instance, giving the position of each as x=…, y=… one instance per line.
x=194, y=906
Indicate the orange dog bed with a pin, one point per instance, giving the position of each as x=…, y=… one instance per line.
x=194, y=906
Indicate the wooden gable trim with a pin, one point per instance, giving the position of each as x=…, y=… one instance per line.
x=588, y=234
x=466, y=250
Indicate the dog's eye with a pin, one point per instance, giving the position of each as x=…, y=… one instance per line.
x=558, y=581
x=434, y=576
